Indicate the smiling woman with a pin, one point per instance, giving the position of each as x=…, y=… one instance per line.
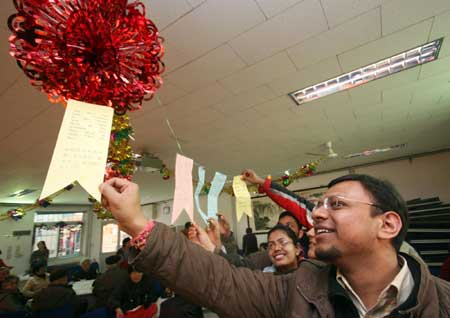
x=284, y=249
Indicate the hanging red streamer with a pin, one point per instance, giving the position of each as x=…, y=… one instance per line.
x=98, y=51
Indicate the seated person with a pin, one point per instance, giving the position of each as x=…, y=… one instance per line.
x=284, y=249
x=38, y=280
x=178, y=307
x=105, y=283
x=85, y=271
x=123, y=252
x=58, y=294
x=136, y=293
x=11, y=300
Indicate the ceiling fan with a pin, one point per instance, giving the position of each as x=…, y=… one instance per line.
x=147, y=162
x=328, y=151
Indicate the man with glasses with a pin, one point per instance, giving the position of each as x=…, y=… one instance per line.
x=359, y=226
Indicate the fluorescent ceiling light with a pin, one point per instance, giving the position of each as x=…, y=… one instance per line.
x=394, y=64
x=21, y=193
x=374, y=151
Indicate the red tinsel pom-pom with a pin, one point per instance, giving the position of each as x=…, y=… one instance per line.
x=98, y=51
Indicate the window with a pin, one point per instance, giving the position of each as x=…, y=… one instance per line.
x=61, y=232
x=112, y=238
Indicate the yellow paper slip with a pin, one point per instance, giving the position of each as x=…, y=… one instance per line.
x=81, y=148
x=243, y=201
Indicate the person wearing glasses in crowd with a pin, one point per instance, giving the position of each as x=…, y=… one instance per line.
x=284, y=250
x=359, y=225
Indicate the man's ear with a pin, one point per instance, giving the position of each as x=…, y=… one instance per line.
x=391, y=225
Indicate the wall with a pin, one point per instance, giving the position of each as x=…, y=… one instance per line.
x=417, y=177
x=21, y=247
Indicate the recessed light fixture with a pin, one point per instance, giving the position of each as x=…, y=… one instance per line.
x=394, y=64
x=21, y=193
x=374, y=151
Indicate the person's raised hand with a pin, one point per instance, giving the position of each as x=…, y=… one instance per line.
x=197, y=235
x=213, y=231
x=251, y=177
x=121, y=197
x=224, y=226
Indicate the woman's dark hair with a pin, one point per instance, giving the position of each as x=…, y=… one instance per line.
x=285, y=229
x=43, y=243
x=385, y=196
x=125, y=241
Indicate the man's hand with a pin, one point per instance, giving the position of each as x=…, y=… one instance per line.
x=251, y=177
x=224, y=226
x=121, y=197
x=213, y=231
x=197, y=235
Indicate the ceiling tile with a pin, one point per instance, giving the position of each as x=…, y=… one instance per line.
x=245, y=100
x=310, y=75
x=386, y=46
x=343, y=10
x=441, y=28
x=162, y=12
x=372, y=91
x=441, y=65
x=197, y=100
x=169, y=92
x=273, y=7
x=282, y=31
x=206, y=69
x=195, y=3
x=173, y=58
x=399, y=14
x=260, y=73
x=212, y=24
x=355, y=32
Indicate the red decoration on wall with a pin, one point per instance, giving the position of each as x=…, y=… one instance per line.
x=98, y=51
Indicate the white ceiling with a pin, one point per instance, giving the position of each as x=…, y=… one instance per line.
x=230, y=64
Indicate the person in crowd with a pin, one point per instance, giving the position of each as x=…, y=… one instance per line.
x=38, y=280
x=11, y=300
x=263, y=247
x=40, y=256
x=300, y=207
x=445, y=269
x=123, y=252
x=284, y=250
x=178, y=307
x=4, y=269
x=59, y=294
x=3, y=264
x=136, y=294
x=359, y=225
x=109, y=280
x=249, y=242
x=85, y=271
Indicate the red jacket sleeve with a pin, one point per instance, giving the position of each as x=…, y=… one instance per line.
x=289, y=201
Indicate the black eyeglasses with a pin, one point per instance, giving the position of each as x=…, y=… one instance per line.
x=336, y=202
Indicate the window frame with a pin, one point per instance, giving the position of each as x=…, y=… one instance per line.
x=82, y=234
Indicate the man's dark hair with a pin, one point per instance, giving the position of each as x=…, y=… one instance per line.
x=288, y=213
x=187, y=225
x=386, y=197
x=125, y=241
x=248, y=230
x=285, y=229
x=35, y=267
x=58, y=273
